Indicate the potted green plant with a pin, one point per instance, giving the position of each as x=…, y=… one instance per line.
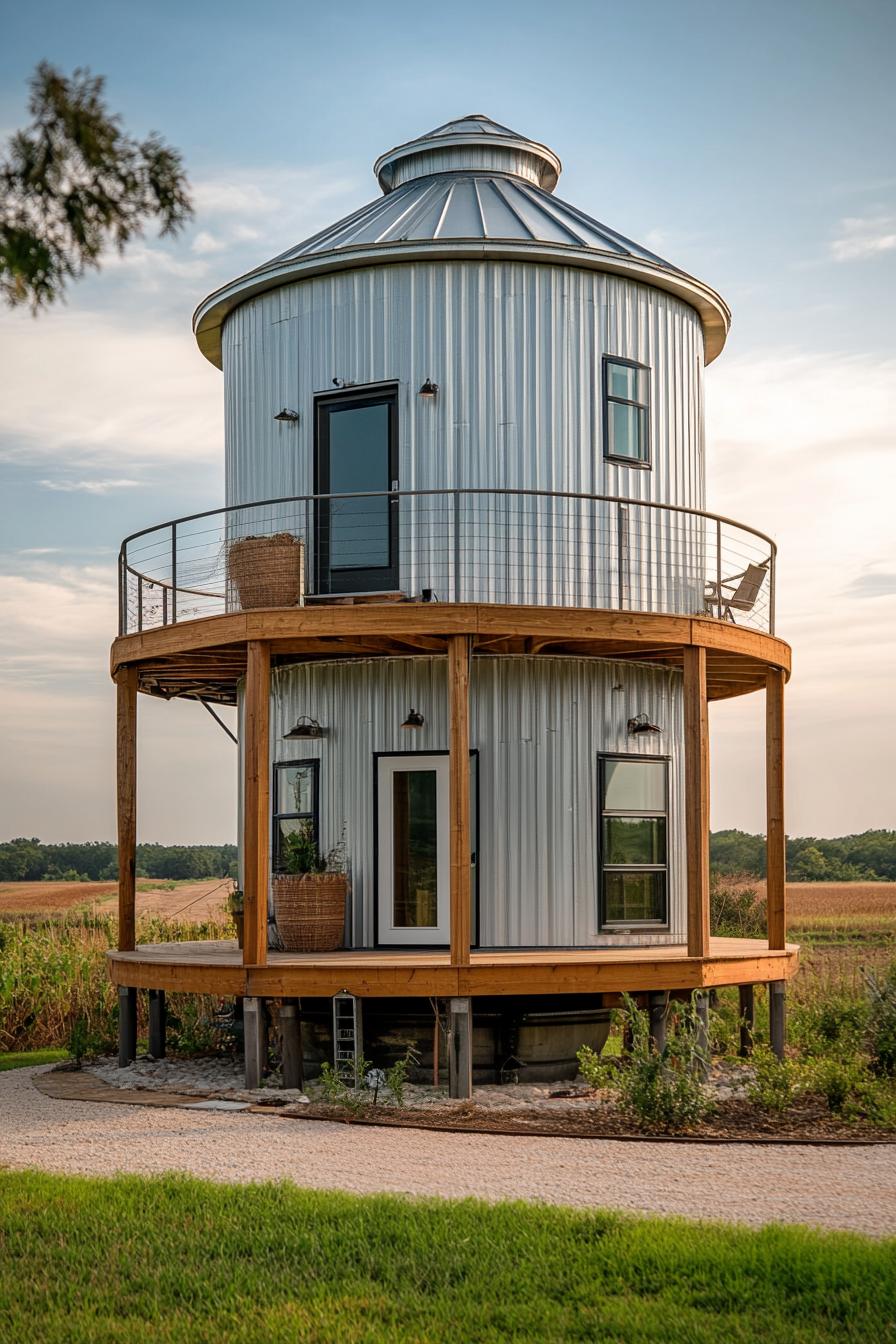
x=310, y=893
x=235, y=910
x=267, y=571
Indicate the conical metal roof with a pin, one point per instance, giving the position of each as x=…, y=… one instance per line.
x=468, y=189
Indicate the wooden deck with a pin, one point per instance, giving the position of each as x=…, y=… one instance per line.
x=216, y=967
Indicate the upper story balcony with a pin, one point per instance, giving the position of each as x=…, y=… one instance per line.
x=518, y=547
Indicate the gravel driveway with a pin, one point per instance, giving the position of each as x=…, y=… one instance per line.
x=852, y=1188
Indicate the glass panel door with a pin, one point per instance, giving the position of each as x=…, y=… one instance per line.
x=412, y=839
x=357, y=539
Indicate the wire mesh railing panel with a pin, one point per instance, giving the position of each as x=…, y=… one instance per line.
x=533, y=548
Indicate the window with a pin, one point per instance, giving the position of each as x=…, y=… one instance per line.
x=626, y=411
x=633, y=794
x=295, y=801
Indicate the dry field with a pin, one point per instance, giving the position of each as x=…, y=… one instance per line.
x=842, y=900
x=183, y=900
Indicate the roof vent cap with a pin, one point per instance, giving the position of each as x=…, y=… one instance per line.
x=469, y=144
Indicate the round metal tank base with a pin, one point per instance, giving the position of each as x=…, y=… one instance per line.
x=513, y=1041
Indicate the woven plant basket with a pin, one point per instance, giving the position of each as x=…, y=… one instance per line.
x=267, y=571
x=310, y=910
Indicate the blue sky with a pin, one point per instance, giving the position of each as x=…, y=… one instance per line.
x=751, y=144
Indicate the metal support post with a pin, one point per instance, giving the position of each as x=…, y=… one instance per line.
x=460, y=1049
x=777, y=1016
x=747, y=1013
x=657, y=1007
x=158, y=1021
x=291, y=1044
x=255, y=1039
x=127, y=1026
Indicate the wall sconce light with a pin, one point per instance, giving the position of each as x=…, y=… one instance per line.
x=641, y=724
x=429, y=389
x=287, y=416
x=414, y=719
x=305, y=727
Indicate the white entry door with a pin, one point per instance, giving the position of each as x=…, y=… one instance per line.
x=412, y=845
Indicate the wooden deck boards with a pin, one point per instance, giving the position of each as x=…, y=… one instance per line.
x=216, y=967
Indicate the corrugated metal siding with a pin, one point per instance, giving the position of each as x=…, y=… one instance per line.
x=538, y=725
x=516, y=350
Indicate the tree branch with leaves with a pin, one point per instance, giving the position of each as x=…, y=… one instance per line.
x=74, y=185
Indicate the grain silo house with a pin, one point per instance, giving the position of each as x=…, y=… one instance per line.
x=469, y=600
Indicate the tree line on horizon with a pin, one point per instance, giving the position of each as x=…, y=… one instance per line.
x=24, y=860
x=869, y=857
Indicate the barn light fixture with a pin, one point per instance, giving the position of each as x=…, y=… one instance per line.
x=641, y=724
x=305, y=727
x=429, y=389
x=414, y=719
x=287, y=416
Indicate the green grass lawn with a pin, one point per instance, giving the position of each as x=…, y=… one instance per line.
x=28, y=1059
x=172, y=1260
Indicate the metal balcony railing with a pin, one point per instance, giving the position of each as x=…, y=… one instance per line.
x=524, y=547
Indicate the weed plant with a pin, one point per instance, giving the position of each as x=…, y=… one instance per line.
x=55, y=989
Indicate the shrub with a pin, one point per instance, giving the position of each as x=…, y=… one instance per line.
x=736, y=909
x=397, y=1076
x=594, y=1070
x=882, y=1019
x=661, y=1091
x=774, y=1081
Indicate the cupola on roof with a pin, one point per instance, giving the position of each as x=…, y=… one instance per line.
x=472, y=143
x=470, y=189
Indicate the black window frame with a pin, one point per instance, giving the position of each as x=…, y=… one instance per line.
x=630, y=925
x=644, y=463
x=277, y=817
x=358, y=578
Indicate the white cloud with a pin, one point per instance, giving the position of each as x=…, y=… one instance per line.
x=797, y=448
x=106, y=391
x=90, y=487
x=205, y=244
x=861, y=238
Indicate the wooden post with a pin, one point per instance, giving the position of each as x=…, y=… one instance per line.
x=291, y=1043
x=459, y=796
x=777, y=1016
x=255, y=1040
x=158, y=1018
x=460, y=1048
x=126, y=756
x=696, y=799
x=657, y=1007
x=747, y=1013
x=256, y=789
x=775, y=843
x=127, y=1026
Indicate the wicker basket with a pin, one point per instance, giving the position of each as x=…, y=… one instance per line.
x=267, y=571
x=310, y=910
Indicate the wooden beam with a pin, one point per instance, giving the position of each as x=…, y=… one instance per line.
x=256, y=811
x=696, y=799
x=215, y=968
x=126, y=764
x=459, y=796
x=775, y=853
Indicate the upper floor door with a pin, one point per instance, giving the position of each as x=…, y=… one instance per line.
x=356, y=451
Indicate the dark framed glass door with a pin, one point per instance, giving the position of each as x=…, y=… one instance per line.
x=356, y=450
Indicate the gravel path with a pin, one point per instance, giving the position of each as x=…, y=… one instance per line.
x=852, y=1188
